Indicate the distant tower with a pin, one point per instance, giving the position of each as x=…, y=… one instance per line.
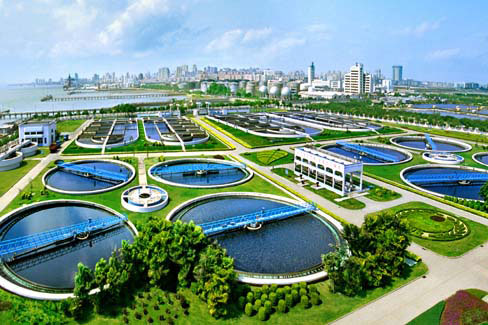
x=69, y=83
x=397, y=73
x=311, y=73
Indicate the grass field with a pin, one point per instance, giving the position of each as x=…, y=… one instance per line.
x=269, y=157
x=477, y=236
x=450, y=134
x=68, y=125
x=380, y=194
x=431, y=316
x=11, y=177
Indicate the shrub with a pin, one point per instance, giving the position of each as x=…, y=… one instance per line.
x=264, y=297
x=250, y=297
x=287, y=289
x=242, y=302
x=280, y=293
x=303, y=285
x=303, y=292
x=315, y=299
x=262, y=314
x=273, y=298
x=267, y=306
x=295, y=296
x=248, y=310
x=257, y=304
x=265, y=288
x=304, y=302
x=289, y=300
x=273, y=287
x=281, y=306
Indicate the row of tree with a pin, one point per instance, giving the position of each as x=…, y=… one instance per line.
x=166, y=255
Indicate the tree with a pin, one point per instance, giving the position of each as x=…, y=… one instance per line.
x=281, y=306
x=83, y=285
x=484, y=191
x=376, y=253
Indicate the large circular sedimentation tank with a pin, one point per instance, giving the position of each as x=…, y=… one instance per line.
x=457, y=181
x=200, y=173
x=284, y=249
x=391, y=155
x=420, y=143
x=75, y=181
x=481, y=158
x=48, y=273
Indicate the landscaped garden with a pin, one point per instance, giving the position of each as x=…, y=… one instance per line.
x=440, y=231
x=269, y=157
x=464, y=307
x=68, y=125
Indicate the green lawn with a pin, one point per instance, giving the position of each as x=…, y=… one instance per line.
x=11, y=177
x=477, y=236
x=285, y=173
x=351, y=204
x=450, y=134
x=269, y=157
x=69, y=125
x=431, y=316
x=337, y=135
x=381, y=194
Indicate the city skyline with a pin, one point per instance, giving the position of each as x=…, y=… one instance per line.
x=51, y=38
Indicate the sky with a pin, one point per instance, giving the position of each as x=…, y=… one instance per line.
x=433, y=40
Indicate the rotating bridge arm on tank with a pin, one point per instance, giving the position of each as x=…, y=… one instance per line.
x=179, y=169
x=448, y=178
x=431, y=142
x=367, y=151
x=104, y=174
x=214, y=227
x=43, y=239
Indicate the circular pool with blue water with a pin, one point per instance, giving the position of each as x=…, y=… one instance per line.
x=291, y=246
x=200, y=173
x=422, y=144
x=462, y=182
x=48, y=272
x=372, y=154
x=481, y=158
x=94, y=176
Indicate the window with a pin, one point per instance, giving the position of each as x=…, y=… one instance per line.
x=338, y=173
x=329, y=170
x=320, y=166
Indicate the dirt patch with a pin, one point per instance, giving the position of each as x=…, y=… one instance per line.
x=438, y=218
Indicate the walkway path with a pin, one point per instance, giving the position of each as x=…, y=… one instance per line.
x=141, y=170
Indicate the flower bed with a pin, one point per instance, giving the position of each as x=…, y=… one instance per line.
x=463, y=305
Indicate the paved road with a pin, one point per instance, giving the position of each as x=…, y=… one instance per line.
x=446, y=275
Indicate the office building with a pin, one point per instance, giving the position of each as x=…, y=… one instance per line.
x=311, y=73
x=41, y=132
x=357, y=82
x=397, y=73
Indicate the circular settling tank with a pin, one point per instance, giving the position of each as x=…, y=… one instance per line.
x=88, y=176
x=144, y=198
x=443, y=158
x=200, y=173
x=462, y=182
x=282, y=249
x=481, y=158
x=48, y=272
x=371, y=154
x=422, y=143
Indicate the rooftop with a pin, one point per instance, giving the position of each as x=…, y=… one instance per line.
x=343, y=160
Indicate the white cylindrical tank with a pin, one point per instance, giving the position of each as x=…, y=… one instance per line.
x=285, y=92
x=274, y=91
x=233, y=87
x=263, y=89
x=203, y=87
x=250, y=87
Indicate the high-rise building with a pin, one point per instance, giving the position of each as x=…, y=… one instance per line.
x=357, y=82
x=311, y=73
x=397, y=73
x=163, y=74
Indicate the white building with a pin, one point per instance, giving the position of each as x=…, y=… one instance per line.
x=41, y=132
x=340, y=174
x=357, y=82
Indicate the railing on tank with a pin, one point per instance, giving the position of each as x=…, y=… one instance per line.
x=195, y=167
x=93, y=172
x=367, y=151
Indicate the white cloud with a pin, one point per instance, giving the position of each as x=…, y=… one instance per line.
x=256, y=34
x=279, y=46
x=225, y=41
x=76, y=16
x=319, y=31
x=135, y=13
x=443, y=54
x=421, y=29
